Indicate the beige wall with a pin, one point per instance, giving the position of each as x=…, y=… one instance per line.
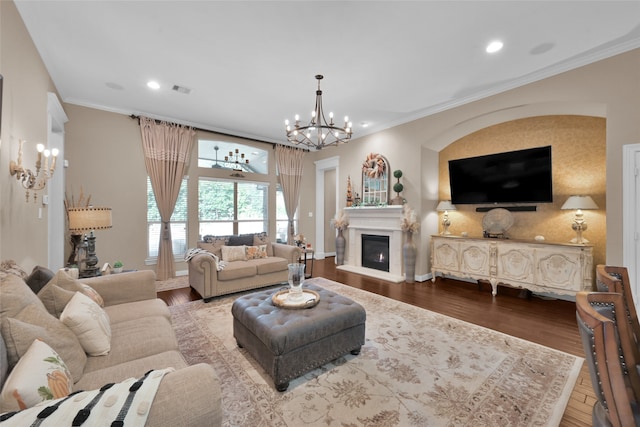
x=578, y=165
x=106, y=160
x=105, y=155
x=609, y=89
x=23, y=236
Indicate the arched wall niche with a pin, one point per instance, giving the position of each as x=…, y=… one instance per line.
x=577, y=135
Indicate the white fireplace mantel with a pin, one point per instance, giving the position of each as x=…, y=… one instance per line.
x=380, y=221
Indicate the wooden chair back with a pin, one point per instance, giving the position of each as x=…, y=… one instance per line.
x=610, y=354
x=616, y=279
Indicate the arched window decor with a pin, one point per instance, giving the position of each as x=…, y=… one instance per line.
x=375, y=180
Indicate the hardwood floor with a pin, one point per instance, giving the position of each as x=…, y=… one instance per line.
x=548, y=322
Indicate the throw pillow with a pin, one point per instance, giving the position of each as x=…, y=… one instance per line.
x=90, y=323
x=55, y=299
x=66, y=282
x=33, y=322
x=263, y=239
x=9, y=266
x=214, y=245
x=39, y=277
x=256, y=252
x=39, y=375
x=233, y=253
x=93, y=294
x=242, y=239
x=15, y=295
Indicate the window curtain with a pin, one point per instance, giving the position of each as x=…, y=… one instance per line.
x=167, y=150
x=290, y=166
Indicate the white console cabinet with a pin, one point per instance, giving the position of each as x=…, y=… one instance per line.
x=559, y=268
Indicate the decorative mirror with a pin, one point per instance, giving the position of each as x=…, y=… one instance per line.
x=375, y=180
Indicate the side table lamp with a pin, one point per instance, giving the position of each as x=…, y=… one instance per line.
x=445, y=206
x=83, y=220
x=579, y=225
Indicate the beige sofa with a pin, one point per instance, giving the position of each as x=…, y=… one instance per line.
x=211, y=275
x=142, y=339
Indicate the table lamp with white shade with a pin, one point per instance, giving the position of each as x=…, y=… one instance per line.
x=445, y=206
x=579, y=203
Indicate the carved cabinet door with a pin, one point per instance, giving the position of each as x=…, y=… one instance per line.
x=445, y=254
x=560, y=269
x=516, y=263
x=475, y=258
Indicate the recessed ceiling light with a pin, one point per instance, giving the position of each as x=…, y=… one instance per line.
x=494, y=46
x=364, y=124
x=153, y=85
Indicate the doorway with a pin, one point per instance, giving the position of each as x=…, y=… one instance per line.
x=325, y=191
x=56, y=118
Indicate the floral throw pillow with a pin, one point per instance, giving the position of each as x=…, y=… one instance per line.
x=39, y=375
x=9, y=266
x=256, y=252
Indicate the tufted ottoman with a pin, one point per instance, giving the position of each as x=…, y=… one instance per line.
x=288, y=343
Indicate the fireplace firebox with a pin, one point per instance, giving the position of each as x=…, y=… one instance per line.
x=375, y=252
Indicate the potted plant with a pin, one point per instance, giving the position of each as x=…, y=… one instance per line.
x=397, y=187
x=117, y=267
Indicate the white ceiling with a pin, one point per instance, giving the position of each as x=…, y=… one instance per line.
x=251, y=65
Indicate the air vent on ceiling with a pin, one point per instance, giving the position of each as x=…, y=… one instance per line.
x=181, y=89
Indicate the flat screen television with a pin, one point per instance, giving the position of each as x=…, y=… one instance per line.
x=522, y=176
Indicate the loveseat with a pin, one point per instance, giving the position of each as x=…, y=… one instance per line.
x=142, y=338
x=227, y=264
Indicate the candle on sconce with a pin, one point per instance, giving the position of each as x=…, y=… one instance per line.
x=54, y=152
x=40, y=149
x=46, y=153
x=20, y=142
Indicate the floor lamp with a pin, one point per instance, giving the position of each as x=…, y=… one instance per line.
x=83, y=220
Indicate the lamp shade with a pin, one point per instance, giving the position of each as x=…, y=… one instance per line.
x=445, y=205
x=87, y=219
x=579, y=202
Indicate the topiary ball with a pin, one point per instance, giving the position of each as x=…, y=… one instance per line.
x=397, y=187
x=397, y=174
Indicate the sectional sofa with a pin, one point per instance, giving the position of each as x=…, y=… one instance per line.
x=142, y=338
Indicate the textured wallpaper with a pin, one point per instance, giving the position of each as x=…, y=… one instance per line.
x=578, y=164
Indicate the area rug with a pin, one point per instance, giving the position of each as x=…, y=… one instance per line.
x=417, y=368
x=175, y=283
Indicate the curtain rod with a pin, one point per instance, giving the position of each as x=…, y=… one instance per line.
x=134, y=117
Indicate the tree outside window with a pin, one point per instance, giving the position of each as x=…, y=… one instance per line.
x=227, y=207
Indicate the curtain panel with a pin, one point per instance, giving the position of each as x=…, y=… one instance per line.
x=290, y=162
x=167, y=150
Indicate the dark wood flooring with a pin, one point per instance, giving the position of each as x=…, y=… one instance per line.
x=548, y=322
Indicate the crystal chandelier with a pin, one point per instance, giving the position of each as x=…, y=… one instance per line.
x=318, y=133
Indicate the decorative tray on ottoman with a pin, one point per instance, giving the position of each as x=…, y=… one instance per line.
x=309, y=299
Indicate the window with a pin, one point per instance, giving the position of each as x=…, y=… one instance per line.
x=228, y=155
x=227, y=207
x=282, y=221
x=178, y=223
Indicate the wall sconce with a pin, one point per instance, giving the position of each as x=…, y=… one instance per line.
x=445, y=206
x=579, y=225
x=30, y=180
x=81, y=220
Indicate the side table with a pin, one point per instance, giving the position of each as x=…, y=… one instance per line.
x=307, y=252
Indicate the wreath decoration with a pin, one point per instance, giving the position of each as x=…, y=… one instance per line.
x=374, y=166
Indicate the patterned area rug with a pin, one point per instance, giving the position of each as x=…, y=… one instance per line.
x=417, y=368
x=175, y=283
